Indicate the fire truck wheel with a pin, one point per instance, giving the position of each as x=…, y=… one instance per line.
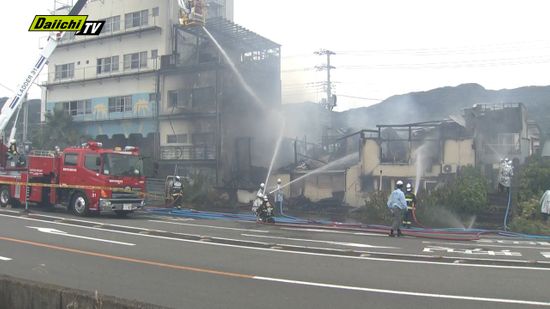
x=79, y=204
x=4, y=196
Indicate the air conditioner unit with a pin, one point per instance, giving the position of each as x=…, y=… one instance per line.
x=449, y=169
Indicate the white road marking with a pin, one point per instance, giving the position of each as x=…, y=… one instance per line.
x=181, y=219
x=285, y=252
x=514, y=242
x=546, y=254
x=348, y=244
x=62, y=233
x=484, y=245
x=476, y=251
x=210, y=226
x=2, y=258
x=334, y=232
x=394, y=292
x=12, y=211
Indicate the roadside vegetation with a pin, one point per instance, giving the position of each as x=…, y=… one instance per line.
x=533, y=180
x=457, y=202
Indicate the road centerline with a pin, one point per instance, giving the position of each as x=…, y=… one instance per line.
x=272, y=279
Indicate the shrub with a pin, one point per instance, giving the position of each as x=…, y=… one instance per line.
x=464, y=195
x=528, y=226
x=375, y=210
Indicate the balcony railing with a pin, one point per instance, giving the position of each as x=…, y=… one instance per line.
x=188, y=153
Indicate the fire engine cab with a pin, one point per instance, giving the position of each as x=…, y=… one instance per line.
x=87, y=179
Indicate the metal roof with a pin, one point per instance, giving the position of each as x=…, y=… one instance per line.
x=233, y=36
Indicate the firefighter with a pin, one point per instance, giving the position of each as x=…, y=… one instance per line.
x=279, y=195
x=259, y=198
x=12, y=150
x=410, y=198
x=176, y=191
x=261, y=190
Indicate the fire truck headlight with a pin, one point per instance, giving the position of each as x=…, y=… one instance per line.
x=104, y=194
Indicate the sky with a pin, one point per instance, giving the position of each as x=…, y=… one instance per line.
x=383, y=48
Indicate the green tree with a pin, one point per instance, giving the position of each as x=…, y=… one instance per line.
x=534, y=178
x=58, y=130
x=466, y=194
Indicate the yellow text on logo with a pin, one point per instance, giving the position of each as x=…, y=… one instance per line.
x=58, y=22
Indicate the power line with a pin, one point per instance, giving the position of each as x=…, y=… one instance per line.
x=499, y=47
x=360, y=98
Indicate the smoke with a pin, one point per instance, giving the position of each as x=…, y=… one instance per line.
x=423, y=158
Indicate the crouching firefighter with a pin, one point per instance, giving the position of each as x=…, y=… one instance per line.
x=264, y=213
x=176, y=192
x=259, y=199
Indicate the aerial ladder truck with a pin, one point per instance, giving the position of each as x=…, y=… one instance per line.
x=87, y=178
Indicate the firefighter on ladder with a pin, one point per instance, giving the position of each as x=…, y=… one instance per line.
x=410, y=198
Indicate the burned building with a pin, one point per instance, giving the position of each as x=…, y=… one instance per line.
x=427, y=153
x=422, y=153
x=213, y=122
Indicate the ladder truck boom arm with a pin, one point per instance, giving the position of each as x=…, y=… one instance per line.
x=13, y=103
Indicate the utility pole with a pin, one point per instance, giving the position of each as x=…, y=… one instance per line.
x=330, y=101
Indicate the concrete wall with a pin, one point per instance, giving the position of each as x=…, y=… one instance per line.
x=459, y=152
x=18, y=293
x=354, y=196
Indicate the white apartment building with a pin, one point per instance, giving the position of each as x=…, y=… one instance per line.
x=147, y=81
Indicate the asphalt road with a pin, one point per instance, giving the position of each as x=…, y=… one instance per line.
x=183, y=263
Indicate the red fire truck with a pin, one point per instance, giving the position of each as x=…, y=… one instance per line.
x=87, y=179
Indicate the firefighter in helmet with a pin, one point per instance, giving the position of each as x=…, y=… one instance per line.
x=12, y=150
x=176, y=192
x=410, y=198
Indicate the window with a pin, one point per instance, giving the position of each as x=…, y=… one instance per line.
x=136, y=19
x=71, y=159
x=90, y=162
x=179, y=98
x=120, y=104
x=135, y=61
x=107, y=65
x=64, y=71
x=75, y=108
x=152, y=97
x=112, y=24
x=155, y=11
x=176, y=139
x=154, y=53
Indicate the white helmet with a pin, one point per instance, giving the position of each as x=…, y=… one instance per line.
x=399, y=183
x=12, y=141
x=279, y=180
x=409, y=187
x=262, y=185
